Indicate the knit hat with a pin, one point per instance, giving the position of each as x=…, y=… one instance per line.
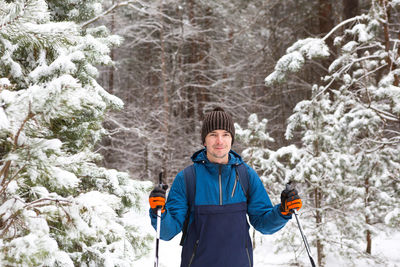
x=217, y=119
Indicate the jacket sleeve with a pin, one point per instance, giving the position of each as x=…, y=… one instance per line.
x=263, y=216
x=176, y=207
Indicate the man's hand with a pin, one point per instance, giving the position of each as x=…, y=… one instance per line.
x=157, y=198
x=290, y=200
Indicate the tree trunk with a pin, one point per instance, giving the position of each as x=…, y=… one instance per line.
x=325, y=18
x=350, y=9
x=318, y=220
x=367, y=219
x=112, y=55
x=318, y=213
x=166, y=104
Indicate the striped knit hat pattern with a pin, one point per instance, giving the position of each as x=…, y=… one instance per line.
x=217, y=119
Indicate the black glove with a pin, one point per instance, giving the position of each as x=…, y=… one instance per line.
x=157, y=198
x=290, y=200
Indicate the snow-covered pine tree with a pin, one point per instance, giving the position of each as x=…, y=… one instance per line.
x=270, y=165
x=276, y=168
x=256, y=153
x=255, y=138
x=57, y=207
x=350, y=131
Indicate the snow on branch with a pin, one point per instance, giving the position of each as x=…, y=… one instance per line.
x=342, y=24
x=385, y=115
x=309, y=48
x=131, y=5
x=28, y=11
x=293, y=61
x=46, y=201
x=109, y=10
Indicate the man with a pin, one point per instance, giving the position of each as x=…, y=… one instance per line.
x=218, y=231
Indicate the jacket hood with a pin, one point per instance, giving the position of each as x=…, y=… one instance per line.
x=201, y=156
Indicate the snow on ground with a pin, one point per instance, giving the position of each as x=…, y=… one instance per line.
x=169, y=252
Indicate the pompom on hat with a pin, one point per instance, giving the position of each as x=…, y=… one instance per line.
x=217, y=119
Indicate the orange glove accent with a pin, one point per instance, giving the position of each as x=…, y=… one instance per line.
x=157, y=203
x=157, y=198
x=290, y=200
x=291, y=205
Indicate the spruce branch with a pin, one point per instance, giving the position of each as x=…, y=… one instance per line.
x=347, y=21
x=384, y=114
x=109, y=10
x=13, y=218
x=15, y=14
x=28, y=24
x=5, y=170
x=5, y=182
x=28, y=117
x=343, y=70
x=10, y=19
x=41, y=202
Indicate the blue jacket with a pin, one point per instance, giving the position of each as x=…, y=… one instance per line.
x=263, y=216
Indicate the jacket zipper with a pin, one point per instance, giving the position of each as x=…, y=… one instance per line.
x=234, y=185
x=220, y=186
x=194, y=252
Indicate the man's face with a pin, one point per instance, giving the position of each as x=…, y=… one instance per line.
x=218, y=145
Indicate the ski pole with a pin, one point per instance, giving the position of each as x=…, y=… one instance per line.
x=290, y=187
x=158, y=225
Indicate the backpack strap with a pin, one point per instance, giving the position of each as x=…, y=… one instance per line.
x=189, y=176
x=244, y=178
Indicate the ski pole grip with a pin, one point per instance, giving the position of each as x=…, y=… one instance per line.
x=160, y=183
x=289, y=186
x=160, y=179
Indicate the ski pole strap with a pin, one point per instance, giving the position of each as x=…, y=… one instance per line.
x=189, y=175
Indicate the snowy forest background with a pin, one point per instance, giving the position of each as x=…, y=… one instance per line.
x=97, y=97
